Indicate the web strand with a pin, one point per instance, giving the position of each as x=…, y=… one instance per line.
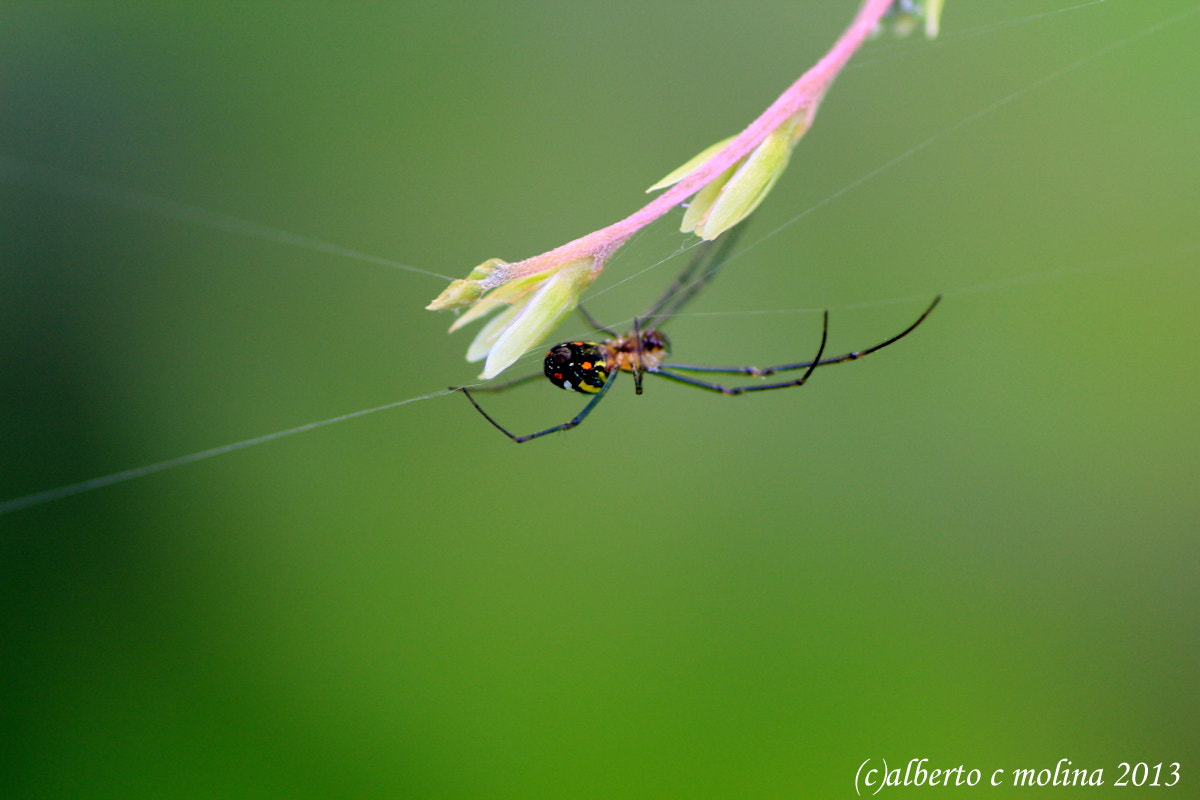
x=14, y=170
x=50, y=495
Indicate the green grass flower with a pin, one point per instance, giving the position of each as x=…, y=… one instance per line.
x=724, y=184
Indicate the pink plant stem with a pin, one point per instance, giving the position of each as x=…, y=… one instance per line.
x=802, y=96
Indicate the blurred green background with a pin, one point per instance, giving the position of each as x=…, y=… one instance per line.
x=978, y=547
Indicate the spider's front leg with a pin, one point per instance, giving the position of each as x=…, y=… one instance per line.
x=761, y=387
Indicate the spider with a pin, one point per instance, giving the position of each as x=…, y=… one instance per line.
x=593, y=367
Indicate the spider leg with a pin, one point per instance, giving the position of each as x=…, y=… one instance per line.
x=760, y=372
x=564, y=427
x=709, y=258
x=596, y=325
x=759, y=387
x=639, y=370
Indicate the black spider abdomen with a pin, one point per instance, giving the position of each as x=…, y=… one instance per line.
x=579, y=366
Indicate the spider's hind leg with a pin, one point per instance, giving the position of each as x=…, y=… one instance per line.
x=566, y=426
